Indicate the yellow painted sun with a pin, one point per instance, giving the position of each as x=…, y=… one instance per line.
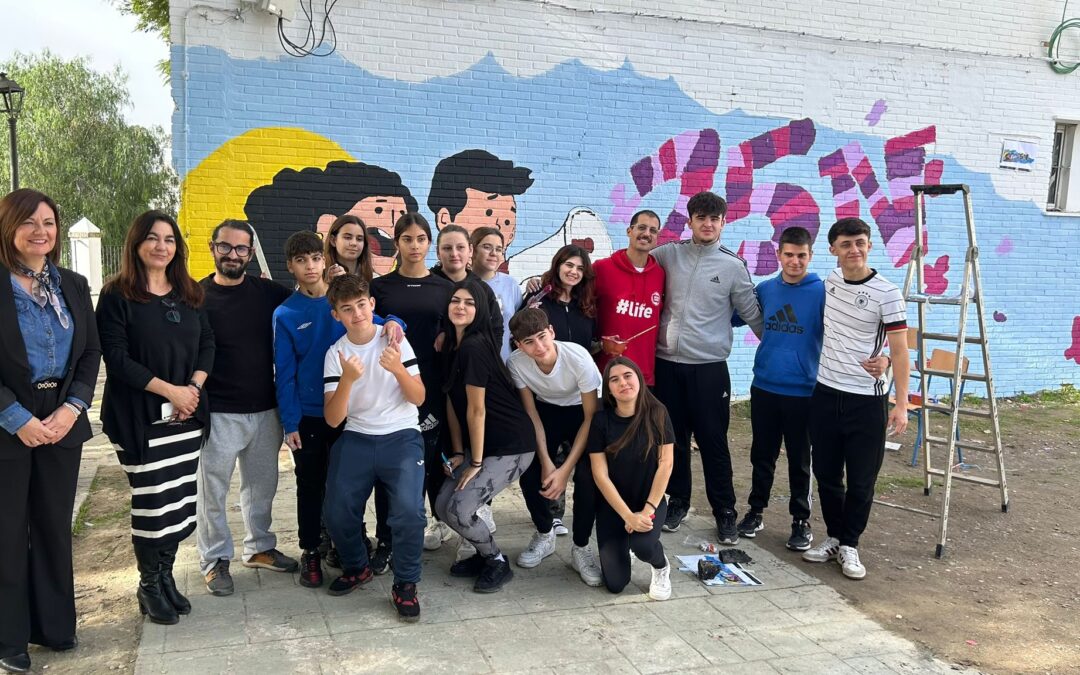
x=219, y=186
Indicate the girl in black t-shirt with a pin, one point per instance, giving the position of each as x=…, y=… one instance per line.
x=630, y=446
x=485, y=415
x=567, y=294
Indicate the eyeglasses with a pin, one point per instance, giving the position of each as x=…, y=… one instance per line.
x=488, y=248
x=173, y=314
x=224, y=248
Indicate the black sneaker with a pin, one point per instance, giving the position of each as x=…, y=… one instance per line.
x=405, y=600
x=380, y=559
x=751, y=524
x=469, y=567
x=801, y=536
x=725, y=527
x=311, y=569
x=676, y=514
x=349, y=581
x=495, y=575
x=332, y=558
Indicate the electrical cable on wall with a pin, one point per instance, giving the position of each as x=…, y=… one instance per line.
x=1055, y=37
x=310, y=45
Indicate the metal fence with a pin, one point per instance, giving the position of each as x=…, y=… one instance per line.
x=110, y=259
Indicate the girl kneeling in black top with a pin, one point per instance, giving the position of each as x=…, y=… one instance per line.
x=630, y=446
x=488, y=428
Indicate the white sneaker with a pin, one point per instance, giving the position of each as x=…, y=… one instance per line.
x=583, y=562
x=558, y=527
x=465, y=550
x=660, y=586
x=823, y=552
x=484, y=514
x=541, y=546
x=850, y=564
x=435, y=534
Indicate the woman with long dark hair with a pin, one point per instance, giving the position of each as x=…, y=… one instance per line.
x=568, y=296
x=47, y=377
x=419, y=297
x=486, y=418
x=630, y=446
x=158, y=349
x=347, y=250
x=489, y=252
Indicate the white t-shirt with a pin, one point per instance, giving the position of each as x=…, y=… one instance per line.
x=857, y=316
x=377, y=406
x=508, y=293
x=574, y=374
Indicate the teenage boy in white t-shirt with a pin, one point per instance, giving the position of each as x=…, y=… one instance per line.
x=558, y=383
x=373, y=386
x=848, y=409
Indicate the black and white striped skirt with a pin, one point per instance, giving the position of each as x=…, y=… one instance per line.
x=163, y=483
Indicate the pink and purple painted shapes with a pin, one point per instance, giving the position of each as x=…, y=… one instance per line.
x=876, y=111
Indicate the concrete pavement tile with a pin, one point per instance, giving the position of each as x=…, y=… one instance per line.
x=747, y=668
x=204, y=633
x=611, y=665
x=786, y=642
x=550, y=648
x=265, y=628
x=295, y=656
x=409, y=648
x=859, y=637
x=487, y=605
x=657, y=649
x=825, y=613
x=742, y=643
x=758, y=619
x=629, y=617
x=913, y=660
x=570, y=621
x=152, y=640
x=183, y=664
x=812, y=664
x=685, y=613
x=269, y=579
x=712, y=646
x=747, y=602
x=869, y=665
x=803, y=596
x=207, y=607
x=292, y=600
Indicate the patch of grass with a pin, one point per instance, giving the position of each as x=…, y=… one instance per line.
x=740, y=409
x=892, y=482
x=1067, y=394
x=80, y=519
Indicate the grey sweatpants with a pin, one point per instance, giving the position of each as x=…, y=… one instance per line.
x=457, y=508
x=252, y=441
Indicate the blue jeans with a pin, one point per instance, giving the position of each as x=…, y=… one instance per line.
x=356, y=462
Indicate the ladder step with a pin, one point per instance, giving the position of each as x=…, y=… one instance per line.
x=938, y=299
x=947, y=189
x=966, y=478
x=963, y=411
x=978, y=377
x=945, y=337
x=978, y=446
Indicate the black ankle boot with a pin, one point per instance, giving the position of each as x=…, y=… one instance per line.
x=168, y=583
x=152, y=600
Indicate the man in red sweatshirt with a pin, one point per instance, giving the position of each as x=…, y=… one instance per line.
x=630, y=296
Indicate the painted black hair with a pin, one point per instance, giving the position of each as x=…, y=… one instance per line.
x=477, y=169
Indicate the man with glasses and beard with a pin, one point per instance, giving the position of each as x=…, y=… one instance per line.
x=245, y=428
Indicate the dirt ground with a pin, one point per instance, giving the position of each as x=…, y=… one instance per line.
x=1004, y=598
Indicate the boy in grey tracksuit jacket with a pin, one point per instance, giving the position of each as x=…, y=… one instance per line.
x=705, y=283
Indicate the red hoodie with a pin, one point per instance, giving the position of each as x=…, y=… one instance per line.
x=628, y=302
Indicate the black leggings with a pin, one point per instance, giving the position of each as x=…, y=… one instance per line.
x=615, y=544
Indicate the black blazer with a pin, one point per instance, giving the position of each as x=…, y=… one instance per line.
x=82, y=371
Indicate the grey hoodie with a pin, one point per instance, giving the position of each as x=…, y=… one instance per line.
x=704, y=283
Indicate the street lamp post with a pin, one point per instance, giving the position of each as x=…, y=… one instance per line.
x=11, y=100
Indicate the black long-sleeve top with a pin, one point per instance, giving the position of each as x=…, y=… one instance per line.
x=139, y=343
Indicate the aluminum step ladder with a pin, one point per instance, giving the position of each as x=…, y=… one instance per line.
x=970, y=293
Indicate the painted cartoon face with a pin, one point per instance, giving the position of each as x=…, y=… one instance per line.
x=159, y=247
x=643, y=233
x=487, y=209
x=454, y=252
x=379, y=215
x=572, y=271
x=36, y=236
x=793, y=260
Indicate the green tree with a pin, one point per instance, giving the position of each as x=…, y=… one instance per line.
x=152, y=16
x=76, y=146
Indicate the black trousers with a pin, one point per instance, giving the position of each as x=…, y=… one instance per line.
x=848, y=436
x=615, y=543
x=698, y=399
x=561, y=423
x=37, y=585
x=776, y=418
x=433, y=480
x=312, y=460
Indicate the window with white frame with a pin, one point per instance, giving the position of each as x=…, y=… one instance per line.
x=1058, y=196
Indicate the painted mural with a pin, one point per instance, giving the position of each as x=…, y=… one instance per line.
x=549, y=163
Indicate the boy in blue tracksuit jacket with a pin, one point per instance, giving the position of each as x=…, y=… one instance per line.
x=785, y=371
x=303, y=330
